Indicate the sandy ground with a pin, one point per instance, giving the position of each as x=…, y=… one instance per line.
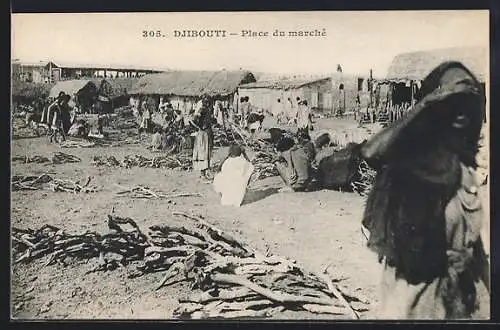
x=316, y=229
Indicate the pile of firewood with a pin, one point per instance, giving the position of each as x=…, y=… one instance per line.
x=225, y=137
x=31, y=159
x=29, y=182
x=181, y=160
x=146, y=192
x=60, y=158
x=57, y=158
x=364, y=183
x=228, y=278
x=72, y=186
x=77, y=144
x=263, y=166
x=110, y=161
x=45, y=181
x=61, y=247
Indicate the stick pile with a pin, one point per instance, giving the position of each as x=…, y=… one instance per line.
x=31, y=159
x=77, y=144
x=363, y=185
x=113, y=249
x=29, y=182
x=61, y=158
x=228, y=279
x=72, y=186
x=264, y=166
x=181, y=161
x=45, y=181
x=145, y=192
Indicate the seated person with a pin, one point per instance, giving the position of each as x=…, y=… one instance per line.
x=232, y=180
x=156, y=139
x=296, y=169
x=79, y=129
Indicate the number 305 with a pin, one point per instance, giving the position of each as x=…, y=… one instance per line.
x=147, y=34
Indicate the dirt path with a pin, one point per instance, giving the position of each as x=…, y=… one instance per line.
x=316, y=229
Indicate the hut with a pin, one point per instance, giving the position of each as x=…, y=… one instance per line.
x=184, y=88
x=83, y=92
x=26, y=92
x=323, y=93
x=112, y=92
x=407, y=70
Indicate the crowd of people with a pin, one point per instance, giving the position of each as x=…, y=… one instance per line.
x=424, y=214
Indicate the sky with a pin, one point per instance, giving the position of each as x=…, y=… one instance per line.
x=358, y=41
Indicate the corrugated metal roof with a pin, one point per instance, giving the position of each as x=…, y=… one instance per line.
x=111, y=67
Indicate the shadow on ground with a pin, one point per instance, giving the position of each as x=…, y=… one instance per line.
x=254, y=195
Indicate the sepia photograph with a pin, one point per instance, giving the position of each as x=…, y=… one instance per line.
x=306, y=165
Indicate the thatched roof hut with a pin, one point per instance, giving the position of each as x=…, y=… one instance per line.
x=73, y=87
x=284, y=84
x=114, y=87
x=192, y=83
x=29, y=90
x=83, y=92
x=416, y=65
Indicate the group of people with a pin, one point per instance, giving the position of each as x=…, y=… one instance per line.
x=55, y=114
x=424, y=215
x=293, y=112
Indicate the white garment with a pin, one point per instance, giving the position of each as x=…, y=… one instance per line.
x=197, y=107
x=232, y=180
x=303, y=116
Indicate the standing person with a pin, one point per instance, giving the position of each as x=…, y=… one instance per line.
x=303, y=117
x=220, y=114
x=291, y=112
x=203, y=143
x=145, y=117
x=60, y=116
x=424, y=213
x=278, y=111
x=244, y=111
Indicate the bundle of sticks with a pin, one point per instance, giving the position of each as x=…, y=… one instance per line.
x=363, y=184
x=110, y=161
x=31, y=159
x=57, y=158
x=228, y=278
x=180, y=160
x=77, y=144
x=29, y=182
x=113, y=249
x=45, y=181
x=264, y=166
x=61, y=157
x=72, y=186
x=146, y=192
x=225, y=137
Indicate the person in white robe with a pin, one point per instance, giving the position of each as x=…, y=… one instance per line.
x=232, y=180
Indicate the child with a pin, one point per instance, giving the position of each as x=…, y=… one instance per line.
x=232, y=180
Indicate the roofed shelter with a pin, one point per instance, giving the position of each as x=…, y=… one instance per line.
x=407, y=70
x=325, y=93
x=83, y=92
x=27, y=92
x=184, y=88
x=113, y=92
